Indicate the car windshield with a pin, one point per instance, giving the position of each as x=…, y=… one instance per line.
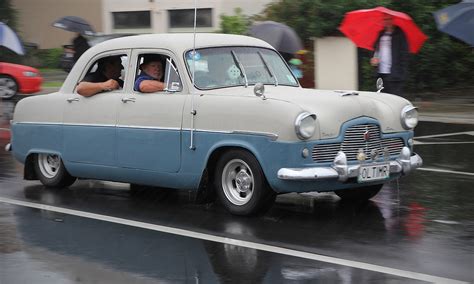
x=222, y=67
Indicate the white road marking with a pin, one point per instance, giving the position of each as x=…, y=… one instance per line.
x=236, y=242
x=446, y=134
x=446, y=222
x=445, y=171
x=442, y=143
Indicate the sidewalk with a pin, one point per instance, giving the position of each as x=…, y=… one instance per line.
x=449, y=107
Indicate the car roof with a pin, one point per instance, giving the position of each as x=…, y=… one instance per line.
x=179, y=42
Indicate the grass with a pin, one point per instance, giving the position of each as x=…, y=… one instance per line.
x=50, y=70
x=52, y=84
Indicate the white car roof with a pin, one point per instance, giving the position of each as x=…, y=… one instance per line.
x=179, y=42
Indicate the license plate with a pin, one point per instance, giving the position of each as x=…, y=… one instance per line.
x=373, y=173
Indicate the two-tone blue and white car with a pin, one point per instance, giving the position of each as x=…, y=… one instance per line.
x=243, y=127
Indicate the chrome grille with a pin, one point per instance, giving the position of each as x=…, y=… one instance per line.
x=354, y=140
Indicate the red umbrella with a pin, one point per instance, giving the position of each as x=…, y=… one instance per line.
x=364, y=26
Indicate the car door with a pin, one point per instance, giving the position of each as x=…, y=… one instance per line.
x=149, y=124
x=90, y=123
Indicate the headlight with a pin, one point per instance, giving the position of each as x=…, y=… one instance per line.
x=30, y=74
x=409, y=117
x=305, y=125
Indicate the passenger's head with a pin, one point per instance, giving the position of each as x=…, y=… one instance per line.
x=152, y=66
x=110, y=66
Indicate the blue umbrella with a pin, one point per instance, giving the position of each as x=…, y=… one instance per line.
x=457, y=21
x=10, y=40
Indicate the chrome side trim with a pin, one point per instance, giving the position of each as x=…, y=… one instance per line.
x=148, y=127
x=30, y=122
x=272, y=136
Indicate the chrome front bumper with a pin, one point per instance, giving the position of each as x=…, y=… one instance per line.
x=341, y=171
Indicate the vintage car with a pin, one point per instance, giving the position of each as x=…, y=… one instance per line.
x=15, y=78
x=243, y=127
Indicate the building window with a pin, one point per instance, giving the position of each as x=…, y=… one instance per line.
x=132, y=20
x=185, y=18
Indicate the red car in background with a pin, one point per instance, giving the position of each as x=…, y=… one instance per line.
x=15, y=78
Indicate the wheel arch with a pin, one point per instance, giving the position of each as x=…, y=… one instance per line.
x=29, y=172
x=205, y=185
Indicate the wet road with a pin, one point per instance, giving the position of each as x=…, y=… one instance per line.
x=418, y=229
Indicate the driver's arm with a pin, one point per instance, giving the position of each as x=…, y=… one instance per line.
x=151, y=86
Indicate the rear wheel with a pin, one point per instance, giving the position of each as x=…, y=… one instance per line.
x=241, y=184
x=8, y=87
x=51, y=171
x=359, y=194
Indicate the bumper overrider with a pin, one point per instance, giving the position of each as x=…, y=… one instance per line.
x=341, y=171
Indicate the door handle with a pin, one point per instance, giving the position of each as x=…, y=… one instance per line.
x=70, y=100
x=126, y=100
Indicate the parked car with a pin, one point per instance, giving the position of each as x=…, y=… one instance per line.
x=15, y=78
x=245, y=129
x=67, y=57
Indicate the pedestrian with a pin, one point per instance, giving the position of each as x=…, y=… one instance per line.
x=80, y=45
x=391, y=57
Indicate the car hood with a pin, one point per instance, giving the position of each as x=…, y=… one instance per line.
x=333, y=108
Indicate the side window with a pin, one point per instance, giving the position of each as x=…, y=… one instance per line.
x=158, y=67
x=107, y=67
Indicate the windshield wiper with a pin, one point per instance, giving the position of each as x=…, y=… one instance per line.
x=268, y=68
x=241, y=67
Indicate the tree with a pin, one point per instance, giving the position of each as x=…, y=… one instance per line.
x=236, y=24
x=8, y=15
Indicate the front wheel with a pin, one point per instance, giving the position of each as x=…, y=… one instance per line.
x=51, y=171
x=359, y=194
x=241, y=184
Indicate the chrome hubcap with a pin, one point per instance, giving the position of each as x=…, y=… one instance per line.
x=237, y=182
x=49, y=164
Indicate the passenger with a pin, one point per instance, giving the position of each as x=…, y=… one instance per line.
x=105, y=78
x=150, y=79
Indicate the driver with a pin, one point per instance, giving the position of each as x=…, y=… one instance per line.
x=150, y=79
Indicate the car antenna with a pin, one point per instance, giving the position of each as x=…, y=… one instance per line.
x=193, y=111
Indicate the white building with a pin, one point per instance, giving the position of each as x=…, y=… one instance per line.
x=163, y=16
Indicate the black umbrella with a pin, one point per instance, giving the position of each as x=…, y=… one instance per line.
x=74, y=24
x=457, y=21
x=280, y=36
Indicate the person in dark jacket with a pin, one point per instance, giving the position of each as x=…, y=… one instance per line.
x=391, y=57
x=80, y=46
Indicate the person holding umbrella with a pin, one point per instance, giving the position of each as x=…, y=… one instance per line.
x=392, y=34
x=80, y=27
x=80, y=46
x=391, y=56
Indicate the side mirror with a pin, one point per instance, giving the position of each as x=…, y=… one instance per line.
x=379, y=85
